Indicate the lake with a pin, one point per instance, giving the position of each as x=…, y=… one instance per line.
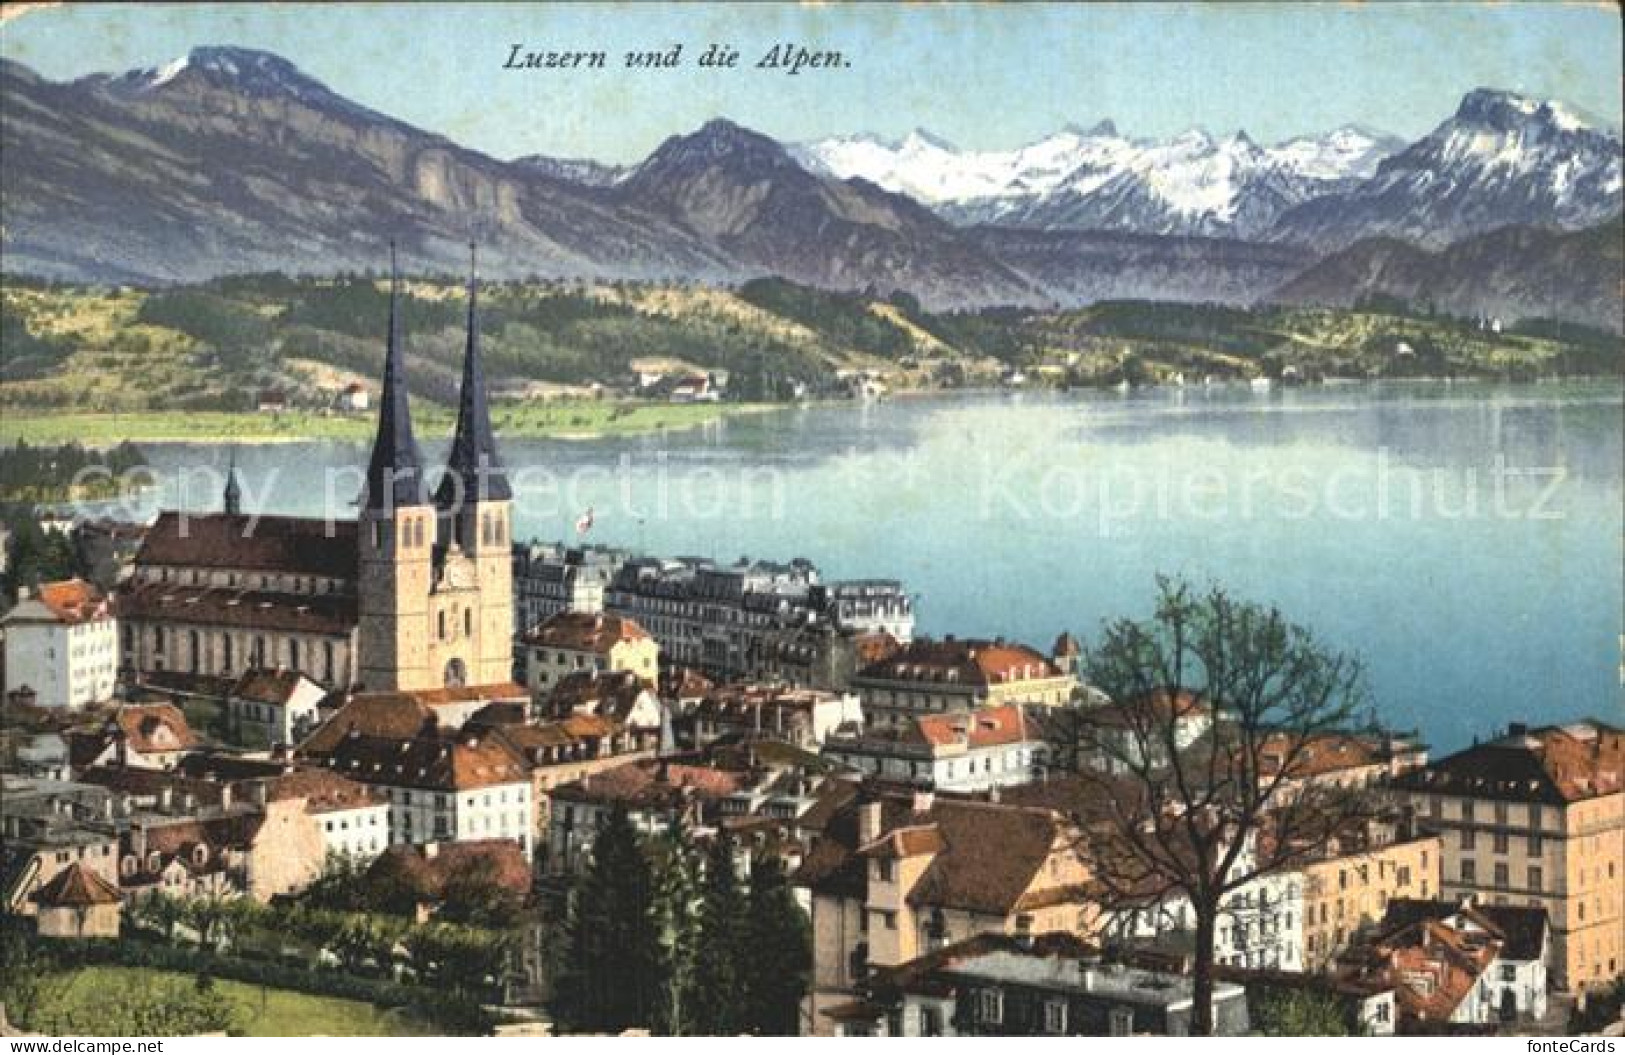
x=1464, y=539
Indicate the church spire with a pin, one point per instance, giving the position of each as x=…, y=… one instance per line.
x=395, y=472
x=473, y=471
x=234, y=491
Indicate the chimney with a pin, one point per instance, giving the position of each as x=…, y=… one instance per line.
x=1517, y=729
x=923, y=801
x=166, y=799
x=262, y=793
x=431, y=851
x=868, y=823
x=225, y=796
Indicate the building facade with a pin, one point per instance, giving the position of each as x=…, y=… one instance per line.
x=1537, y=818
x=955, y=676
x=970, y=751
x=570, y=642
x=61, y=645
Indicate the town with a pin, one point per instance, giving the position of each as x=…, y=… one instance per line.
x=487, y=785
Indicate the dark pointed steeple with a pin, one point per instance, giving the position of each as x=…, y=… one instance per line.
x=395, y=472
x=473, y=471
x=234, y=491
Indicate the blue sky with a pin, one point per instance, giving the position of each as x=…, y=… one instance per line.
x=983, y=76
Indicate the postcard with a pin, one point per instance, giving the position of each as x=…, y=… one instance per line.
x=830, y=520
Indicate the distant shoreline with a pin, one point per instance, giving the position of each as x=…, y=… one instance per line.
x=556, y=421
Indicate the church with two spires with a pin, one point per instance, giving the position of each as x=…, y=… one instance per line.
x=413, y=595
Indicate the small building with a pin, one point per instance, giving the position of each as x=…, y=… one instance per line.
x=271, y=401
x=267, y=707
x=893, y=879
x=1444, y=971
x=803, y=717
x=1518, y=983
x=620, y=697
x=78, y=903
x=354, y=398
x=62, y=644
x=135, y=736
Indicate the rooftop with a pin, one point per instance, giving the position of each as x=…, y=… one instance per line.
x=1555, y=765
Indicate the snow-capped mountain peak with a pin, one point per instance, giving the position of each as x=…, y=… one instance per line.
x=1193, y=182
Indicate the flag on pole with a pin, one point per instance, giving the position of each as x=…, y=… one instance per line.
x=584, y=522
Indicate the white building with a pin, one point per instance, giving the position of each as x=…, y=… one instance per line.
x=1260, y=924
x=62, y=644
x=1512, y=984
x=268, y=707
x=442, y=788
x=968, y=751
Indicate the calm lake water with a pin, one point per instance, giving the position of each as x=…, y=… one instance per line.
x=1464, y=539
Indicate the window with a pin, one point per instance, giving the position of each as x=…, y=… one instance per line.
x=1509, y=973
x=293, y=654
x=1122, y=1022
x=1500, y=842
x=442, y=625
x=883, y=870
x=468, y=622
x=1469, y=873
x=1055, y=1016
x=990, y=1006
x=1466, y=809
x=1536, y=847
x=1537, y=878
x=1500, y=813
x=1469, y=839
x=1501, y=878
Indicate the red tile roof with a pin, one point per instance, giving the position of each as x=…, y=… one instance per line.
x=267, y=686
x=968, y=662
x=433, y=763
x=77, y=887
x=585, y=632
x=74, y=601
x=990, y=854
x=1555, y=765
x=154, y=727
x=396, y=715
x=651, y=784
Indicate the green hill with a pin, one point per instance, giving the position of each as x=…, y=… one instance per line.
x=215, y=347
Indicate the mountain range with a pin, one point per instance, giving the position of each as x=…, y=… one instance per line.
x=231, y=160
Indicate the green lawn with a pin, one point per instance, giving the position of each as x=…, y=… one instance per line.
x=259, y=1012
x=564, y=419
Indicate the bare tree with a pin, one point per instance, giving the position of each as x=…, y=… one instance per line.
x=1198, y=772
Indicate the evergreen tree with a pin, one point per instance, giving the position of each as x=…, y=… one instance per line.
x=778, y=939
x=677, y=922
x=779, y=942
x=612, y=951
x=723, y=951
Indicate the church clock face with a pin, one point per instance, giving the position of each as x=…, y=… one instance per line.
x=459, y=575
